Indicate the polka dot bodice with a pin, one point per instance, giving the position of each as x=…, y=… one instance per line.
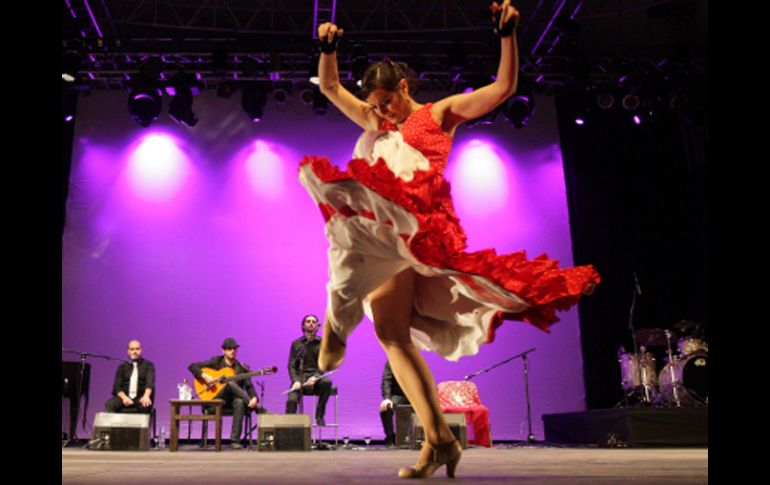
x=423, y=133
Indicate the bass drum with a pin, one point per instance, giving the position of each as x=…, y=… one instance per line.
x=686, y=378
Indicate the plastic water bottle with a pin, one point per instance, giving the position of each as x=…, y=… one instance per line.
x=162, y=438
x=185, y=391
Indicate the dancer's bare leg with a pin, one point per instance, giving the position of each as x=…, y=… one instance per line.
x=392, y=305
x=332, y=351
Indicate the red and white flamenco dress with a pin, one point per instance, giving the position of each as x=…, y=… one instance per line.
x=391, y=209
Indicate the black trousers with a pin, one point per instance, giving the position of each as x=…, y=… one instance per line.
x=387, y=418
x=322, y=388
x=115, y=405
x=237, y=399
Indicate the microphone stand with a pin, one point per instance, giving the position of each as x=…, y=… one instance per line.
x=261, y=391
x=301, y=357
x=260, y=405
x=645, y=398
x=523, y=355
x=72, y=438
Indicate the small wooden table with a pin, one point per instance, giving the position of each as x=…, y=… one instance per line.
x=176, y=416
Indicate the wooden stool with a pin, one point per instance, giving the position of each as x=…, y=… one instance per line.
x=176, y=404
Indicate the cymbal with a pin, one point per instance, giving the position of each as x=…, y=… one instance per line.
x=651, y=336
x=686, y=325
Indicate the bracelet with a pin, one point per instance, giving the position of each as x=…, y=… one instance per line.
x=329, y=47
x=507, y=28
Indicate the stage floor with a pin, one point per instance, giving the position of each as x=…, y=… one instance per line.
x=531, y=465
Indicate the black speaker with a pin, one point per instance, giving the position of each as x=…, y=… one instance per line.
x=456, y=422
x=284, y=432
x=121, y=431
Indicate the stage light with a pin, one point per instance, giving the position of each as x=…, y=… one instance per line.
x=182, y=87
x=280, y=96
x=72, y=60
x=315, y=57
x=254, y=100
x=306, y=96
x=275, y=67
x=605, y=100
x=320, y=102
x=144, y=104
x=519, y=108
x=144, y=97
x=631, y=102
x=68, y=102
x=281, y=92
x=360, y=63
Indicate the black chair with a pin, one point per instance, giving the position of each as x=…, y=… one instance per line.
x=308, y=392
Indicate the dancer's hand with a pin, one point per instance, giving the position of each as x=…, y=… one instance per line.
x=507, y=13
x=385, y=405
x=327, y=31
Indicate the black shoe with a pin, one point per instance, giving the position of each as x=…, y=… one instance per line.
x=319, y=421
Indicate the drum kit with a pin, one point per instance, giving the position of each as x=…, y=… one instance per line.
x=683, y=378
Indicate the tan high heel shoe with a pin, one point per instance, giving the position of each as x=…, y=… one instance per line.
x=332, y=351
x=432, y=457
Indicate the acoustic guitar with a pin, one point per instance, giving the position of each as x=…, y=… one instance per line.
x=221, y=377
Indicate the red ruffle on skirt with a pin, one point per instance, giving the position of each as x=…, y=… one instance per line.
x=441, y=242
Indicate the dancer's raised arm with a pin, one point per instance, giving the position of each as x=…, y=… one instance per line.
x=456, y=109
x=355, y=109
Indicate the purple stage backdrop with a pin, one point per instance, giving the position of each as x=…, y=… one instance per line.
x=180, y=237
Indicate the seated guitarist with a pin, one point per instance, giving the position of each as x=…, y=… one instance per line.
x=303, y=369
x=237, y=395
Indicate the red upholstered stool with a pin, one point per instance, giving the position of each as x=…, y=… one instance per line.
x=463, y=397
